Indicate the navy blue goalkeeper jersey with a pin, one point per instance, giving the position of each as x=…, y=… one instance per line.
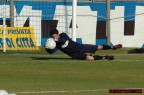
x=66, y=45
x=71, y=48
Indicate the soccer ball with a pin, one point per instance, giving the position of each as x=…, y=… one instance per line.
x=3, y=92
x=50, y=43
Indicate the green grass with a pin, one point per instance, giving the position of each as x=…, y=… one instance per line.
x=37, y=72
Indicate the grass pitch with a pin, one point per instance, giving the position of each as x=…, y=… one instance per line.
x=37, y=74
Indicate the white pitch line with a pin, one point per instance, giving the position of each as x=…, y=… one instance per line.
x=128, y=60
x=60, y=61
x=68, y=91
x=73, y=91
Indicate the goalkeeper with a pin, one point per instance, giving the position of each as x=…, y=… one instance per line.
x=76, y=50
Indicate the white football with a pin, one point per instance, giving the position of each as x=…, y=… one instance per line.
x=50, y=43
x=3, y=92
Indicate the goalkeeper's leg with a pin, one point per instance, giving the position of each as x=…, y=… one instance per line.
x=107, y=57
x=107, y=47
x=97, y=57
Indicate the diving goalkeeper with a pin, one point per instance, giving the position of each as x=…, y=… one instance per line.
x=78, y=51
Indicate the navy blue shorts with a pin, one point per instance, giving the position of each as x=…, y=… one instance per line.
x=86, y=49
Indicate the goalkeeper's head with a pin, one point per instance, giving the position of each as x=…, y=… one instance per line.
x=54, y=33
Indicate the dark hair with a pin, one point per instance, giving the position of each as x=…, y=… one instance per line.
x=54, y=31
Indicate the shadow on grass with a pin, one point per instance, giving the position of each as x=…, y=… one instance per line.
x=49, y=58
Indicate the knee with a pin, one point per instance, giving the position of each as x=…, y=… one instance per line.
x=89, y=58
x=100, y=47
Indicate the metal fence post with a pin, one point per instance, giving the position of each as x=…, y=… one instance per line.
x=108, y=22
x=12, y=13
